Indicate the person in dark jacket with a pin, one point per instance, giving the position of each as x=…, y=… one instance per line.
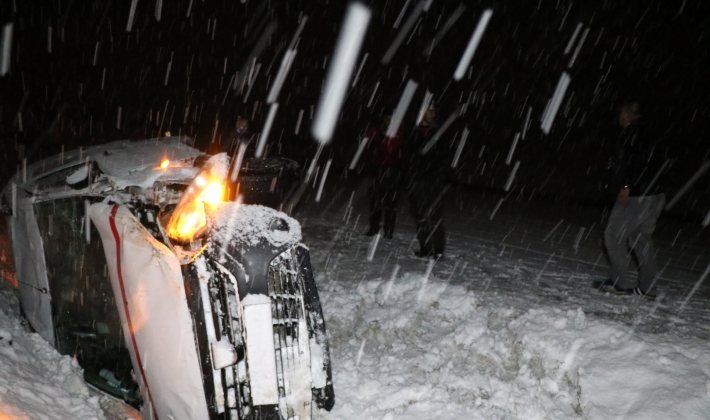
x=424, y=161
x=634, y=175
x=383, y=161
x=240, y=135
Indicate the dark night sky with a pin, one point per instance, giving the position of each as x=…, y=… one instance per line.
x=656, y=51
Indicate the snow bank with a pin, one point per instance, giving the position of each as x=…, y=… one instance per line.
x=35, y=381
x=456, y=354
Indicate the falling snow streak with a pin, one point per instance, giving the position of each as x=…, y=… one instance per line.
x=402, y=107
x=238, y=161
x=526, y=124
x=512, y=149
x=432, y=141
x=706, y=220
x=460, y=147
x=167, y=72
x=373, y=247
x=360, y=149
x=297, y=35
x=574, y=37
x=473, y=44
x=544, y=267
x=428, y=96
x=267, y=129
x=298, y=123
x=553, y=230
x=579, y=47
x=5, y=49
x=291, y=202
x=495, y=209
x=695, y=287
x=226, y=91
x=314, y=163
x=252, y=77
x=372, y=96
x=686, y=187
x=322, y=180
x=286, y=63
x=555, y=102
x=340, y=70
x=655, y=178
x=425, y=279
x=131, y=15
x=189, y=9
x=87, y=221
x=360, y=352
x=158, y=9
x=401, y=14
x=395, y=271
x=578, y=239
x=244, y=73
x=564, y=19
x=455, y=15
x=511, y=177
x=359, y=69
x=96, y=53
x=403, y=31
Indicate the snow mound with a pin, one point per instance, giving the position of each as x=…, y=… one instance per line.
x=253, y=225
x=36, y=382
x=418, y=348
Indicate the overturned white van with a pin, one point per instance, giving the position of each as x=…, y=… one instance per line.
x=131, y=257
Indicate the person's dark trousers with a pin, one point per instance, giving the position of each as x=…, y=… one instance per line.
x=384, y=195
x=426, y=204
x=631, y=227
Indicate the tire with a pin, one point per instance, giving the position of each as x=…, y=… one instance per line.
x=267, y=182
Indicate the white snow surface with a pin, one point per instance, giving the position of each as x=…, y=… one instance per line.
x=35, y=381
x=251, y=224
x=136, y=163
x=458, y=354
x=78, y=175
x=506, y=327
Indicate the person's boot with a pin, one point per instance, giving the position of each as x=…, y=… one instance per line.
x=609, y=286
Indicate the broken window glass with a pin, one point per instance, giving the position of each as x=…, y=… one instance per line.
x=86, y=320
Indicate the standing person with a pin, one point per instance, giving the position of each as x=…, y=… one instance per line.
x=424, y=159
x=239, y=135
x=383, y=160
x=633, y=178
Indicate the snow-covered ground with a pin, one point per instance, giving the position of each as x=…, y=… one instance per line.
x=506, y=327
x=36, y=382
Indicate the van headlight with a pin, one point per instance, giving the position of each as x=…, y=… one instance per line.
x=205, y=193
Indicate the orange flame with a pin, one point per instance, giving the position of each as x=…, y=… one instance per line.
x=164, y=164
x=190, y=217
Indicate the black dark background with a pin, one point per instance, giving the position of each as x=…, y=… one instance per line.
x=654, y=51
